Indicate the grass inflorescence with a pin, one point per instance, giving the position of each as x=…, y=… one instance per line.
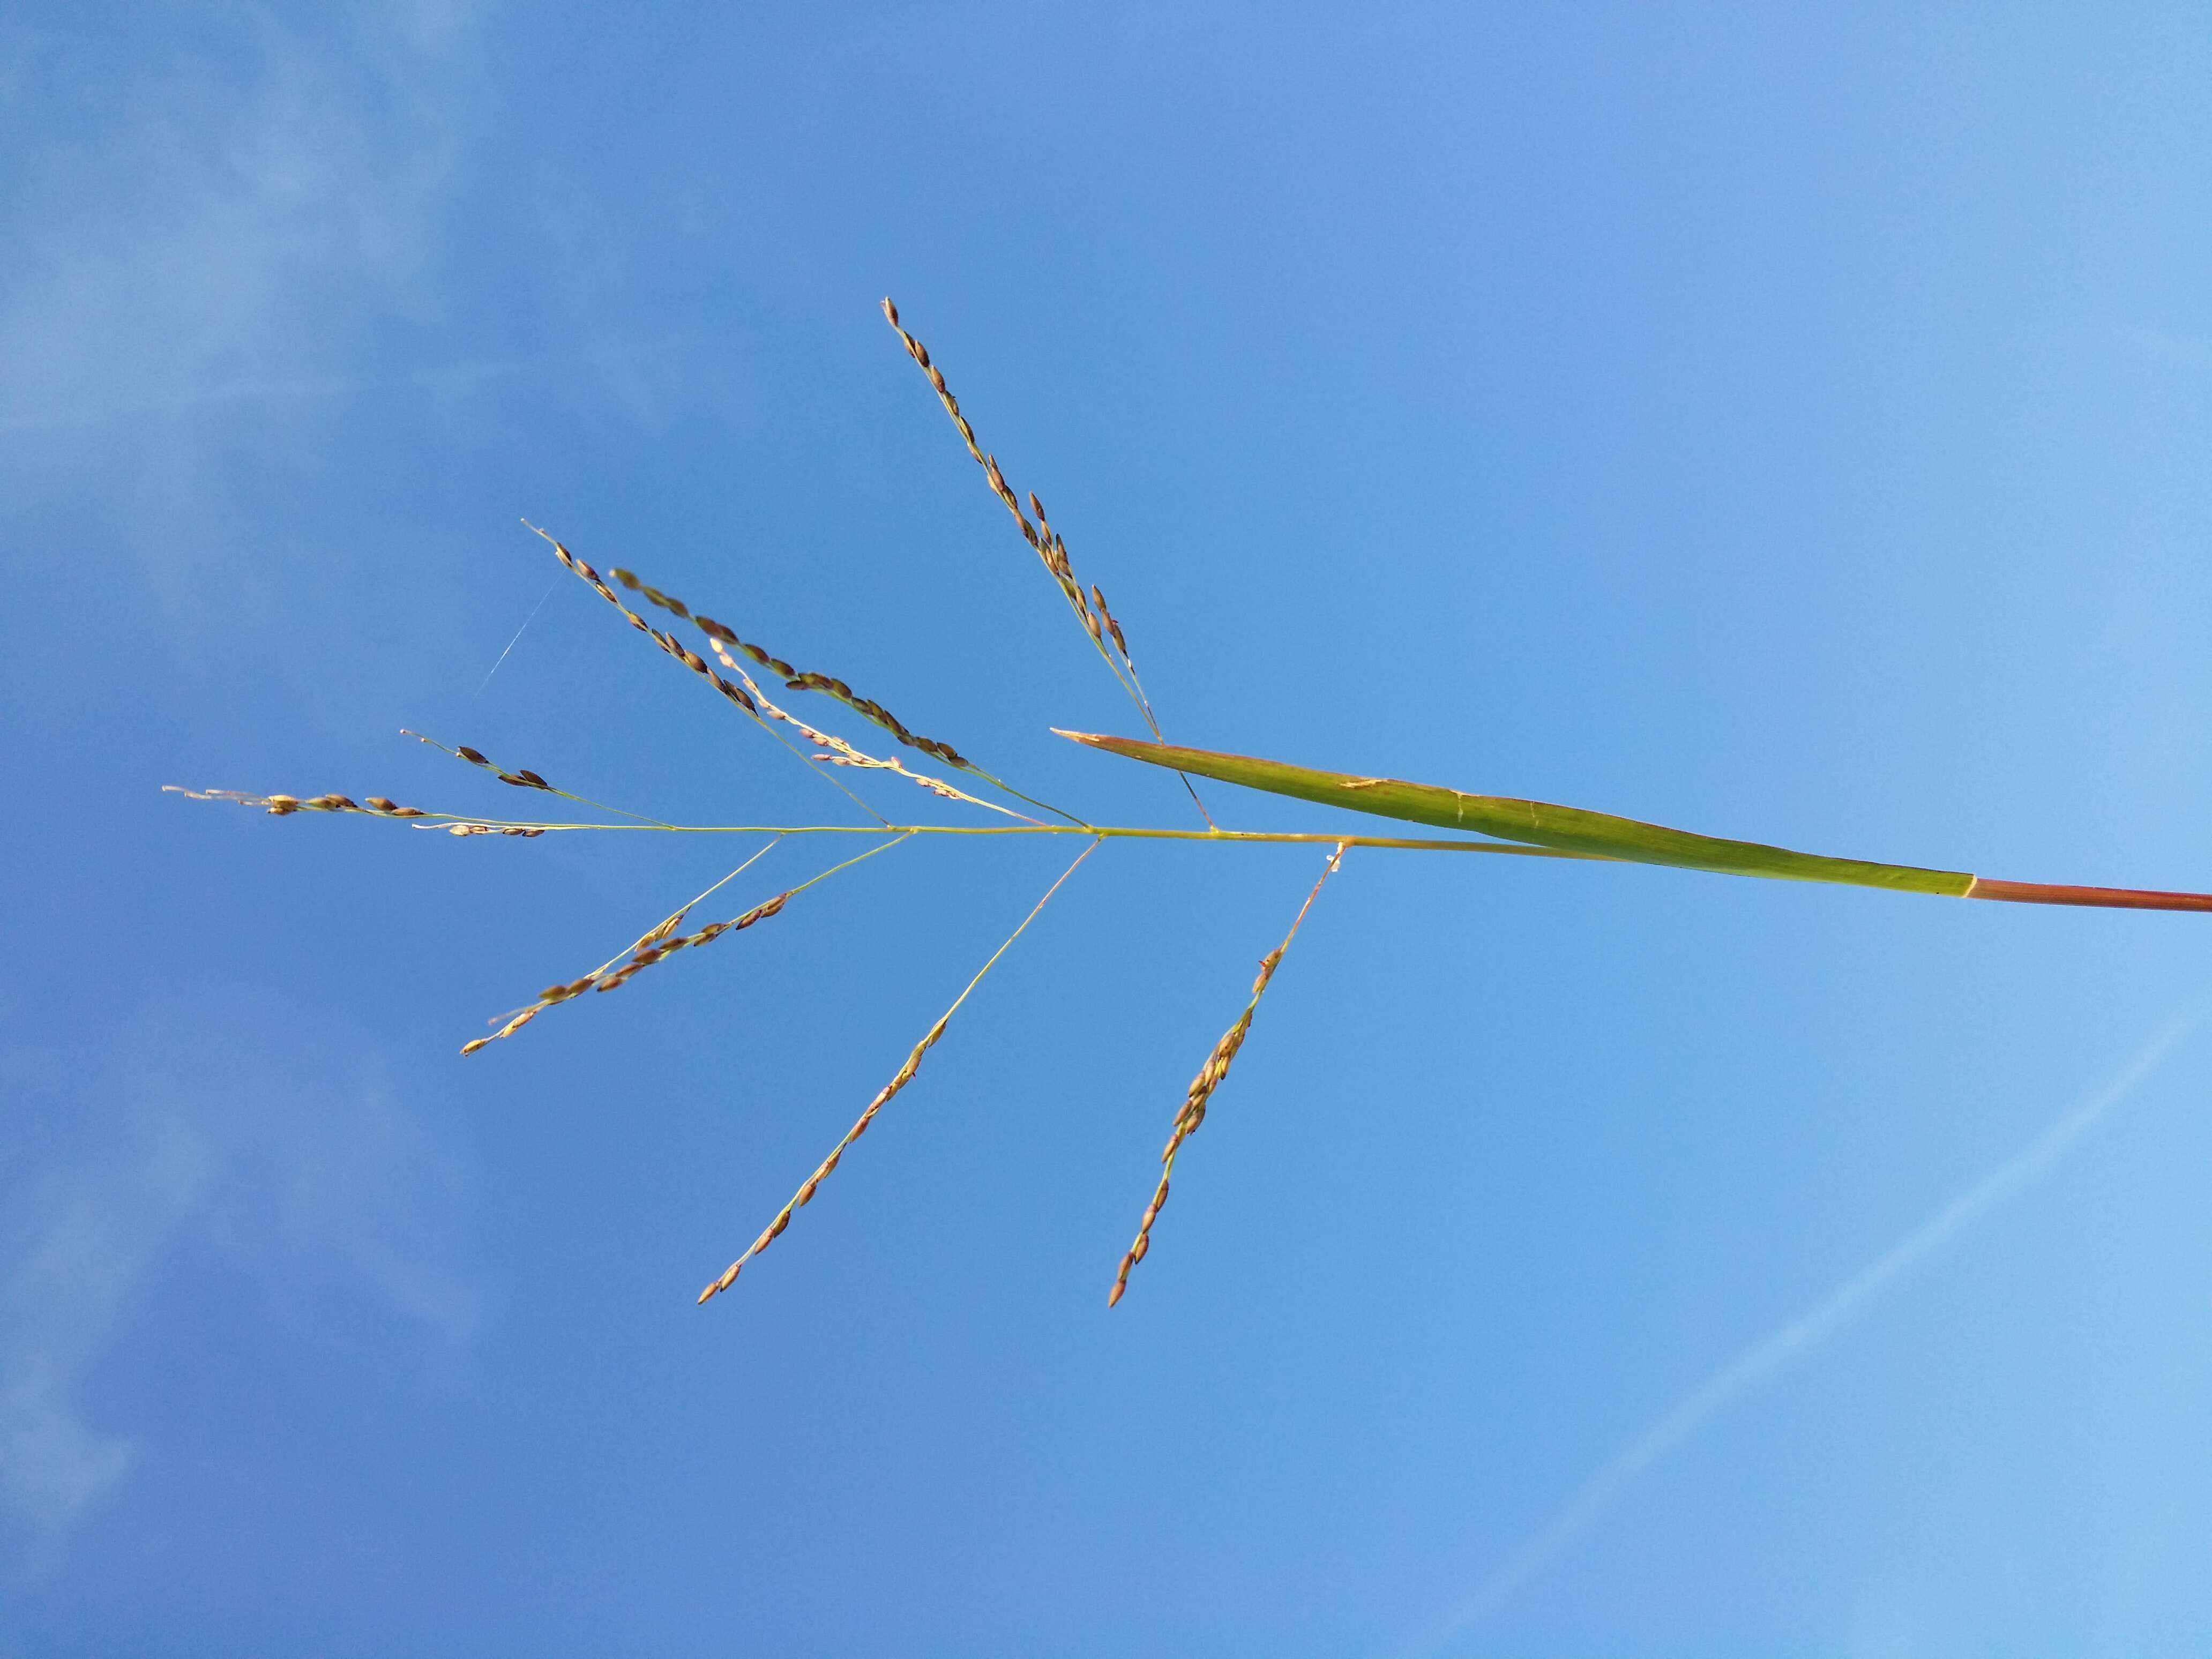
x=1488, y=824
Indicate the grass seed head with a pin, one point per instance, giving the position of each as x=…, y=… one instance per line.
x=722, y=639
x=1210, y=1076
x=657, y=945
x=279, y=805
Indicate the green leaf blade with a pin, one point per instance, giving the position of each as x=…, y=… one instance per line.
x=1534, y=823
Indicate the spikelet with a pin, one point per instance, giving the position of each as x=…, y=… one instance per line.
x=1121, y=642
x=524, y=779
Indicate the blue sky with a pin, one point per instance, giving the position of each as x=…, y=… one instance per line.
x=1788, y=423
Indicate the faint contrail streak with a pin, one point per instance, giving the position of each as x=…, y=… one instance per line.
x=1771, y=1352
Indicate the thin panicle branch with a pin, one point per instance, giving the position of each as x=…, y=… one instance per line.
x=691, y=659
x=794, y=679
x=553, y=993
x=662, y=941
x=905, y=1076
x=525, y=779
x=836, y=751
x=1209, y=1079
x=723, y=638
x=377, y=806
x=1048, y=544
x=745, y=695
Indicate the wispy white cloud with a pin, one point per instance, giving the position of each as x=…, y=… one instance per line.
x=217, y=207
x=250, y=1143
x=93, y=1235
x=450, y=377
x=254, y=207
x=1799, y=1338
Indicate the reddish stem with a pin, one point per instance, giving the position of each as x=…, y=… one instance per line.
x=2109, y=898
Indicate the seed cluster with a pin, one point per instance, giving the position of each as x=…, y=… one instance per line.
x=1210, y=1076
x=1191, y=1113
x=794, y=679
x=1043, y=540
x=722, y=636
x=279, y=805
x=656, y=946
x=1048, y=545
x=805, y=1194
x=838, y=752
x=525, y=779
x=690, y=658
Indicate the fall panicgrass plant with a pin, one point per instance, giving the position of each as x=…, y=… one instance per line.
x=1491, y=824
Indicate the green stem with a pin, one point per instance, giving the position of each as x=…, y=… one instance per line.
x=1103, y=831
